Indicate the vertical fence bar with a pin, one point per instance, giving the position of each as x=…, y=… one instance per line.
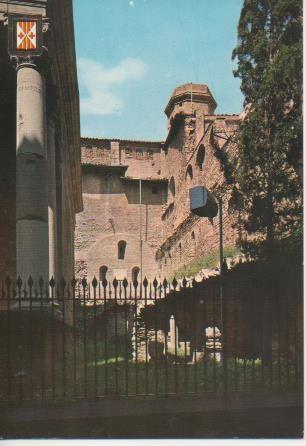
x=135, y=284
x=29, y=294
x=94, y=286
x=126, y=332
x=224, y=336
x=145, y=285
x=19, y=284
x=8, y=342
x=235, y=341
x=165, y=285
x=205, y=319
x=84, y=285
x=184, y=283
x=270, y=341
x=286, y=347
x=115, y=285
x=62, y=297
x=279, y=340
x=296, y=343
x=43, y=335
x=20, y=341
x=104, y=284
x=74, y=327
x=155, y=335
x=52, y=285
x=214, y=340
x=263, y=343
x=195, y=340
x=175, y=284
x=31, y=338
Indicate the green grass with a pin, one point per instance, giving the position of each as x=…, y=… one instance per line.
x=210, y=260
x=89, y=373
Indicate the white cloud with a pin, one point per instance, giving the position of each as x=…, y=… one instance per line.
x=100, y=82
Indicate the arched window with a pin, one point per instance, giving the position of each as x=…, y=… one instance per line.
x=121, y=249
x=189, y=172
x=135, y=272
x=172, y=188
x=102, y=273
x=200, y=157
x=193, y=235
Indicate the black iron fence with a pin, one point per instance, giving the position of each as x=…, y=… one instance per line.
x=83, y=339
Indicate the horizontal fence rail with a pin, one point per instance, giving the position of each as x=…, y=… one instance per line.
x=84, y=339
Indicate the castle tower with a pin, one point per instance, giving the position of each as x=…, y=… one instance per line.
x=186, y=110
x=190, y=99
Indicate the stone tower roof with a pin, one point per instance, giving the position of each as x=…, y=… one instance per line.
x=196, y=93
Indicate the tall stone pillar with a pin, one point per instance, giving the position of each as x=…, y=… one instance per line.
x=32, y=257
x=173, y=341
x=52, y=218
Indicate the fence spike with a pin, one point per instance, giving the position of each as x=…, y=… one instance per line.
x=73, y=282
x=30, y=282
x=184, y=282
x=145, y=282
x=125, y=283
x=165, y=283
x=155, y=283
x=94, y=282
x=115, y=283
x=52, y=282
x=84, y=282
x=104, y=283
x=174, y=283
x=19, y=282
x=135, y=283
x=41, y=282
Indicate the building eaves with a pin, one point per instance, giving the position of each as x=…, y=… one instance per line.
x=127, y=141
x=150, y=179
x=99, y=167
x=222, y=115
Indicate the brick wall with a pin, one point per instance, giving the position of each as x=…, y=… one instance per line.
x=171, y=234
x=188, y=236
x=112, y=213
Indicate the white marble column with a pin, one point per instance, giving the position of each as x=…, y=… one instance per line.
x=52, y=198
x=32, y=257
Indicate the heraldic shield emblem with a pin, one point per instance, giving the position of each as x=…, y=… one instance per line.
x=25, y=36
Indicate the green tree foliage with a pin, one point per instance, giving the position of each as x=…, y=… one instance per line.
x=269, y=63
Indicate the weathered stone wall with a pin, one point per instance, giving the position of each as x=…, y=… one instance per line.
x=172, y=236
x=112, y=210
x=189, y=236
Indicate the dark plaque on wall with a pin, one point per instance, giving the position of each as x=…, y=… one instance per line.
x=25, y=35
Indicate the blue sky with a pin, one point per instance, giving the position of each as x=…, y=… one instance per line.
x=132, y=54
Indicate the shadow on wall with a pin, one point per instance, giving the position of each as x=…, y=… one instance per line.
x=153, y=193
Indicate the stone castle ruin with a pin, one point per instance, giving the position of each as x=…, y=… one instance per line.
x=137, y=220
